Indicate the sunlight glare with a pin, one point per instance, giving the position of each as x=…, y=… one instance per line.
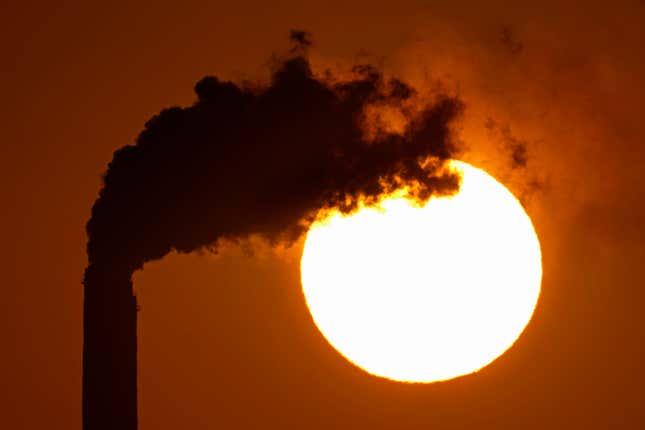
x=423, y=294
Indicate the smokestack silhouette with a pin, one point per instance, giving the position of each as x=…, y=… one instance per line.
x=239, y=162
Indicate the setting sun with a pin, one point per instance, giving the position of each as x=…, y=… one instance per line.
x=423, y=294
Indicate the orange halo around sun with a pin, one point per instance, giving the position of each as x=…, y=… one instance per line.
x=423, y=294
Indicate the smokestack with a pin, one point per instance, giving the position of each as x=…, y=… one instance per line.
x=109, y=350
x=242, y=162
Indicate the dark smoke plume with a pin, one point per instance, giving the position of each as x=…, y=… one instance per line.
x=241, y=161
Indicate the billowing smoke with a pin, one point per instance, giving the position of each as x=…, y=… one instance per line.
x=243, y=161
x=238, y=162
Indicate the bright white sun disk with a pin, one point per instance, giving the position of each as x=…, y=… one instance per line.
x=429, y=293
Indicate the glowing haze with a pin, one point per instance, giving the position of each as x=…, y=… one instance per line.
x=425, y=293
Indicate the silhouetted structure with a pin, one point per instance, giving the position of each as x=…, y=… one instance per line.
x=239, y=162
x=109, y=350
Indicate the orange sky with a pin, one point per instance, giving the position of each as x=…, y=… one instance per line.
x=227, y=341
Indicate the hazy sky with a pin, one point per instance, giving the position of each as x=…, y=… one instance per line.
x=228, y=341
